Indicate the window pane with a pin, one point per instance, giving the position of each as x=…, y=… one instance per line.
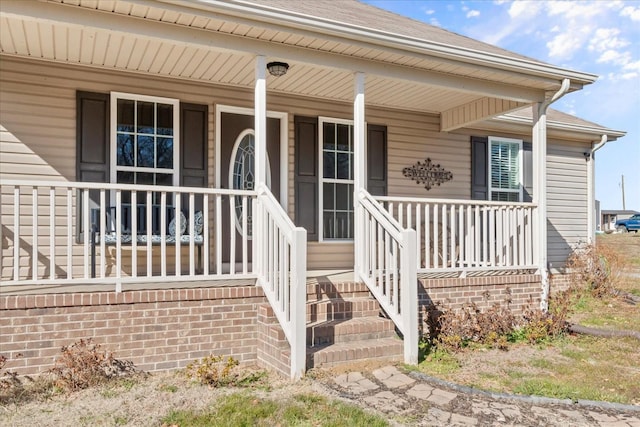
x=124, y=177
x=165, y=119
x=145, y=152
x=343, y=137
x=164, y=153
x=125, y=115
x=344, y=168
x=329, y=136
x=328, y=224
x=125, y=150
x=342, y=197
x=342, y=227
x=328, y=164
x=144, y=178
x=328, y=196
x=145, y=117
x=164, y=179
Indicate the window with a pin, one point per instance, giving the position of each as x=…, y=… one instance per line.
x=145, y=140
x=336, y=181
x=505, y=162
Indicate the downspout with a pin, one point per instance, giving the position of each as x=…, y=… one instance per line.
x=540, y=139
x=591, y=186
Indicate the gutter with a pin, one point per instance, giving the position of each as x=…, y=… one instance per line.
x=293, y=20
x=590, y=130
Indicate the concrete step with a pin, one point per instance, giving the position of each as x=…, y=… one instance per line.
x=384, y=349
x=339, y=309
x=355, y=329
x=344, y=290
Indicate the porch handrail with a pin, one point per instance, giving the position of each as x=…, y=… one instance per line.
x=387, y=265
x=468, y=235
x=280, y=255
x=63, y=228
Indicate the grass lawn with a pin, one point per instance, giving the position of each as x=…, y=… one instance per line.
x=246, y=409
x=573, y=366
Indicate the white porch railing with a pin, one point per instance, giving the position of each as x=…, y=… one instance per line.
x=387, y=265
x=466, y=235
x=71, y=233
x=280, y=252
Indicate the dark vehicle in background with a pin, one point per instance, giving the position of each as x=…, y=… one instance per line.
x=629, y=224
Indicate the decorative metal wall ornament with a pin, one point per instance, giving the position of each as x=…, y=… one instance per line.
x=427, y=173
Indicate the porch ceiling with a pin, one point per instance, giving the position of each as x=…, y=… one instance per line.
x=169, y=40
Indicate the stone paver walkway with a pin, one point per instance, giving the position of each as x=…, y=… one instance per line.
x=414, y=399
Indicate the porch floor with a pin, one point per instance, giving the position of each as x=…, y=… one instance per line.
x=313, y=277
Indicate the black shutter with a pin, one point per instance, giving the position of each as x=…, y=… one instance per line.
x=479, y=168
x=527, y=172
x=377, y=160
x=193, y=149
x=306, y=175
x=92, y=137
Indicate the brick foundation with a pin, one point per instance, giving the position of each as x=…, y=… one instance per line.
x=273, y=349
x=559, y=282
x=522, y=290
x=155, y=329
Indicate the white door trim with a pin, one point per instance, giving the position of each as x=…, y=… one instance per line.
x=284, y=146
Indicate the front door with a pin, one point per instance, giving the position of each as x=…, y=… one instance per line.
x=237, y=171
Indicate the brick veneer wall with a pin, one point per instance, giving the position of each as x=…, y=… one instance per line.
x=522, y=290
x=155, y=329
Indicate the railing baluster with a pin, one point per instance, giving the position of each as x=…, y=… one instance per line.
x=34, y=245
x=205, y=233
x=444, y=236
x=218, y=232
x=461, y=238
x=245, y=241
x=134, y=233
x=149, y=212
x=102, y=219
x=192, y=243
x=16, y=233
x=163, y=234
x=419, y=232
x=69, y=233
x=394, y=263
x=52, y=233
x=118, y=234
x=478, y=242
x=485, y=237
x=178, y=235
x=492, y=236
x=427, y=236
x=452, y=219
x=436, y=234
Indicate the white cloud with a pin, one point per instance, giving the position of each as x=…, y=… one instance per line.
x=429, y=11
x=524, y=8
x=614, y=57
x=498, y=2
x=631, y=12
x=473, y=13
x=606, y=39
x=434, y=21
x=632, y=66
x=564, y=45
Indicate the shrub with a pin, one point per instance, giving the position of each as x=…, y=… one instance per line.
x=218, y=371
x=599, y=268
x=83, y=364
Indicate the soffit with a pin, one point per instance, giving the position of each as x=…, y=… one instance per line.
x=102, y=47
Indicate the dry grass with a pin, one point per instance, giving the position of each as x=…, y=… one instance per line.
x=574, y=367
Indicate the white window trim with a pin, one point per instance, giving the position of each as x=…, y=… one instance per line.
x=113, y=119
x=499, y=139
x=322, y=179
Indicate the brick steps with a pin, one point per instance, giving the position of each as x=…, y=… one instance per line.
x=344, y=326
x=356, y=329
x=384, y=349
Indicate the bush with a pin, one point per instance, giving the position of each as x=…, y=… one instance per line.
x=218, y=371
x=83, y=364
x=598, y=268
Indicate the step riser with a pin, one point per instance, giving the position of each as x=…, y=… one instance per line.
x=347, y=290
x=322, y=339
x=365, y=328
x=339, y=310
x=336, y=355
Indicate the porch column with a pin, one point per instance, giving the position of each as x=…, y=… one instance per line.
x=539, y=154
x=260, y=117
x=359, y=182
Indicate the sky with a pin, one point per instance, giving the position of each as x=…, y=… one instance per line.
x=598, y=37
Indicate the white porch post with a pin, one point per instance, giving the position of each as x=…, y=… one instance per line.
x=358, y=169
x=260, y=117
x=539, y=154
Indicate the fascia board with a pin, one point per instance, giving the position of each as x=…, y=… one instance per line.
x=561, y=126
x=325, y=26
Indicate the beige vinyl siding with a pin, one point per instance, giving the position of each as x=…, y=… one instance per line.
x=566, y=199
x=37, y=141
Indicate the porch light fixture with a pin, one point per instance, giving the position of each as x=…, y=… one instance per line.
x=277, y=69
